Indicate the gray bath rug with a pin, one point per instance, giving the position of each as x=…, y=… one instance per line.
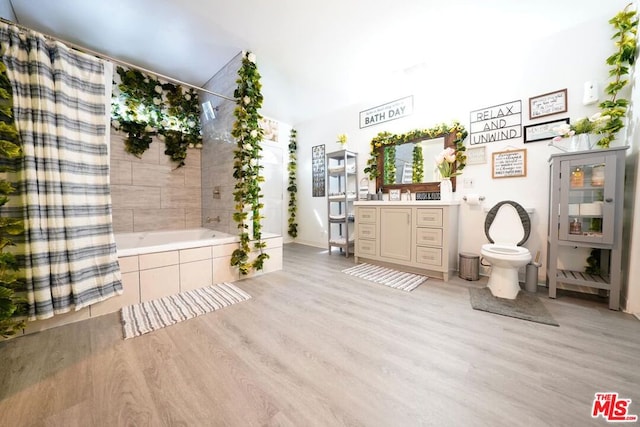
x=386, y=276
x=149, y=316
x=525, y=306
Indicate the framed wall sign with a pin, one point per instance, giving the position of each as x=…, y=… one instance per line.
x=318, y=171
x=509, y=164
x=542, y=131
x=476, y=155
x=548, y=104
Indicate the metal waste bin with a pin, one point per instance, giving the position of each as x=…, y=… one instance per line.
x=469, y=266
x=531, y=282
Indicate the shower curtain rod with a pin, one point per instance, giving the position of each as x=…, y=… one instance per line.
x=118, y=61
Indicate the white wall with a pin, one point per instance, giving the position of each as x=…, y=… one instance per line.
x=449, y=89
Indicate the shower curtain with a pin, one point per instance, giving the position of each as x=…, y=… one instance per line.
x=59, y=108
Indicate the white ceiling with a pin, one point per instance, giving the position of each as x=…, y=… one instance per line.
x=314, y=57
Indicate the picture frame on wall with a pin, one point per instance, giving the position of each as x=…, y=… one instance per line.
x=476, y=155
x=318, y=173
x=542, y=131
x=548, y=104
x=509, y=164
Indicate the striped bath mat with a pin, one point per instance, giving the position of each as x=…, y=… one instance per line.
x=386, y=276
x=148, y=316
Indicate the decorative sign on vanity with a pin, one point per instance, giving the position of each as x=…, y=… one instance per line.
x=428, y=195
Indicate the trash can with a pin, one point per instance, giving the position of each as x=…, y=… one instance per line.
x=531, y=280
x=469, y=266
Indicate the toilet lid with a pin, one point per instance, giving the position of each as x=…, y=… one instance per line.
x=507, y=223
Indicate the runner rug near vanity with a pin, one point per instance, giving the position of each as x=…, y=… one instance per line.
x=149, y=316
x=387, y=276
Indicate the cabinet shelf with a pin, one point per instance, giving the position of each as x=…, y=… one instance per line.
x=580, y=278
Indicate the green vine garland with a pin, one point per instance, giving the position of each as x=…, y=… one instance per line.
x=292, y=188
x=417, y=174
x=10, y=152
x=143, y=107
x=390, y=160
x=625, y=24
x=246, y=167
x=384, y=139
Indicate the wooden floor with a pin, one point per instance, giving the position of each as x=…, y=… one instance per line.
x=316, y=347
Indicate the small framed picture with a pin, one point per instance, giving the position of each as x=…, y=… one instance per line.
x=542, y=131
x=476, y=156
x=394, y=195
x=548, y=104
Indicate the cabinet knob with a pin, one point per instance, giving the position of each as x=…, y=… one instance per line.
x=608, y=200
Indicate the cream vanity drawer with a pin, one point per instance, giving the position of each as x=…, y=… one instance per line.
x=429, y=256
x=366, y=215
x=366, y=231
x=429, y=217
x=365, y=247
x=429, y=236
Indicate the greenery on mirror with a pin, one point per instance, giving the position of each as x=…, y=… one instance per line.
x=625, y=24
x=11, y=304
x=292, y=168
x=385, y=139
x=417, y=174
x=143, y=106
x=246, y=168
x=390, y=162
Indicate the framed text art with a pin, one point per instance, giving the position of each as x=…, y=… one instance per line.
x=509, y=164
x=476, y=155
x=318, y=174
x=548, y=104
x=542, y=131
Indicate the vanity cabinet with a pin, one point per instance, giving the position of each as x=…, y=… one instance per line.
x=342, y=181
x=417, y=236
x=585, y=210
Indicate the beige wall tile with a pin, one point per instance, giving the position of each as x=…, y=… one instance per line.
x=183, y=197
x=160, y=259
x=120, y=172
x=224, y=250
x=157, y=176
x=195, y=254
x=159, y=282
x=122, y=220
x=223, y=271
x=193, y=218
x=128, y=264
x=192, y=177
x=195, y=275
x=131, y=196
x=130, y=296
x=158, y=219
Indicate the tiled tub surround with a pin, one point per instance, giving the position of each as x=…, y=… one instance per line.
x=157, y=264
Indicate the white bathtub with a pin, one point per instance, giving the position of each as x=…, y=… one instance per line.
x=149, y=242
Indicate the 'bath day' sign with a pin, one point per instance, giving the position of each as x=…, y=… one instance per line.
x=386, y=112
x=497, y=123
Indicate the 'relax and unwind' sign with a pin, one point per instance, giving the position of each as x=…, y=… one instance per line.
x=386, y=112
x=497, y=123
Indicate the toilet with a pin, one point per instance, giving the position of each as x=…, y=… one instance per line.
x=507, y=226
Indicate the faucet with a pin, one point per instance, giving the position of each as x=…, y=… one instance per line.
x=216, y=219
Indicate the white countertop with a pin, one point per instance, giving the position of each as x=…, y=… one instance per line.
x=406, y=203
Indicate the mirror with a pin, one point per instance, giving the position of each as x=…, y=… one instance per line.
x=410, y=165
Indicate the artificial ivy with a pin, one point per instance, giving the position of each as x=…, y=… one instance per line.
x=143, y=107
x=11, y=304
x=246, y=167
x=625, y=25
x=384, y=139
x=417, y=174
x=292, y=188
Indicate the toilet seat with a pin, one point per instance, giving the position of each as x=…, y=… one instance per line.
x=524, y=220
x=505, y=250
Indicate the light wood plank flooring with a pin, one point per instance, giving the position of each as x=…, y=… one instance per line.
x=316, y=347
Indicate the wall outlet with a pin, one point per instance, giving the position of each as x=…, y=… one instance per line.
x=468, y=182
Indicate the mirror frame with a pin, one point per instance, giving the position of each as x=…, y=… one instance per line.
x=449, y=141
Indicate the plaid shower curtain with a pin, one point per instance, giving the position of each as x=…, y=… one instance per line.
x=59, y=107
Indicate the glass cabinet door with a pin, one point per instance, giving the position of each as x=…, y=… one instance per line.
x=587, y=189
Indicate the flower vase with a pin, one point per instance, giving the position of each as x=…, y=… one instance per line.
x=446, y=190
x=580, y=142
